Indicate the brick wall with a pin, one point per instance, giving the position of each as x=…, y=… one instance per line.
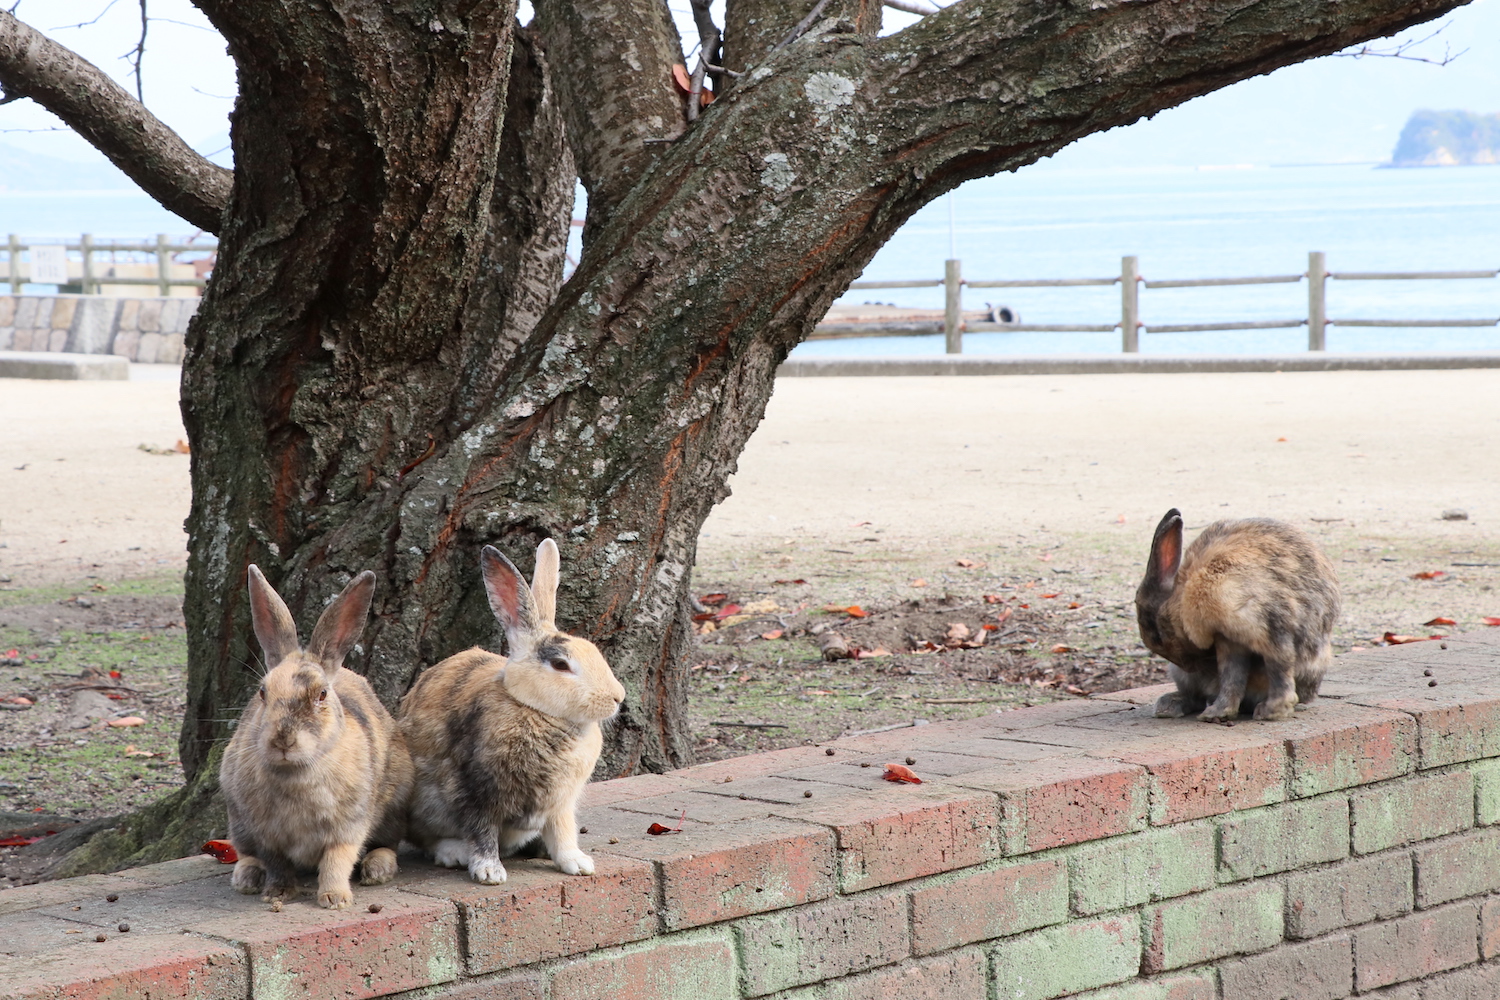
x=148, y=330
x=1080, y=848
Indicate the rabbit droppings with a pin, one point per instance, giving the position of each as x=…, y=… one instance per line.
x=503, y=746
x=317, y=770
x=1244, y=617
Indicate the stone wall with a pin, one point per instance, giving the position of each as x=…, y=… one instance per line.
x=1080, y=848
x=148, y=330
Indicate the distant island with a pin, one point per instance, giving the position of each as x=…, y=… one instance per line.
x=1448, y=139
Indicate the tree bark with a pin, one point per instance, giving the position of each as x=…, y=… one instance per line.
x=388, y=371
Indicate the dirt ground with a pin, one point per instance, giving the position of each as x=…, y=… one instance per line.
x=988, y=534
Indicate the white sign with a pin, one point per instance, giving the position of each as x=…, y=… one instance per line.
x=49, y=265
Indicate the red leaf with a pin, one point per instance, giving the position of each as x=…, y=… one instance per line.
x=1441, y=621
x=967, y=563
x=223, y=850
x=1398, y=640
x=1074, y=604
x=919, y=582
x=681, y=79
x=1491, y=621
x=12, y=653
x=704, y=617
x=1025, y=607
x=1049, y=596
x=726, y=611
x=865, y=654
x=1060, y=648
x=993, y=599
x=773, y=634
x=115, y=674
x=18, y=841
x=656, y=829
x=991, y=628
x=799, y=580
x=855, y=611
x=899, y=772
x=1431, y=574
x=713, y=600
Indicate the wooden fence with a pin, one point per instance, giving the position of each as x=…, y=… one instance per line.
x=1130, y=325
x=92, y=278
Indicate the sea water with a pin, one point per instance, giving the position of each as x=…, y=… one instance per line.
x=1044, y=222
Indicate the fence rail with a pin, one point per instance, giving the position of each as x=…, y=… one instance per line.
x=1317, y=276
x=90, y=280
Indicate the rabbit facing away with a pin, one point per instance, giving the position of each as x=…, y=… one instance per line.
x=503, y=746
x=1244, y=617
x=317, y=771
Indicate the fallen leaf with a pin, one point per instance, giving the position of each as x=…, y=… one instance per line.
x=115, y=674
x=990, y=628
x=1049, y=596
x=726, y=611
x=12, y=654
x=957, y=631
x=17, y=699
x=855, y=611
x=1441, y=621
x=129, y=720
x=919, y=582
x=181, y=447
x=1060, y=648
x=1392, y=639
x=18, y=841
x=1074, y=689
x=713, y=600
x=131, y=751
x=707, y=627
x=656, y=829
x=1431, y=574
x=967, y=563
x=927, y=647
x=993, y=599
x=1073, y=604
x=900, y=772
x=115, y=697
x=792, y=581
x=1280, y=439
x=1045, y=557
x=223, y=850
x=865, y=654
x=1120, y=519
x=861, y=524
x=1490, y=621
x=1025, y=607
x=681, y=79
x=773, y=634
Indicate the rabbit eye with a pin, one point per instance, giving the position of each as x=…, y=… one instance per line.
x=560, y=665
x=323, y=695
x=262, y=692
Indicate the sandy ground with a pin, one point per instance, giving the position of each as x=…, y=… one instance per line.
x=1369, y=460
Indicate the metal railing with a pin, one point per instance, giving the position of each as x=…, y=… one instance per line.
x=1130, y=325
x=90, y=279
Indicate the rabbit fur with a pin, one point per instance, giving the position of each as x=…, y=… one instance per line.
x=1244, y=616
x=317, y=770
x=503, y=746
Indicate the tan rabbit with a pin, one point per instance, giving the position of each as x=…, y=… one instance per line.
x=1245, y=617
x=504, y=746
x=317, y=770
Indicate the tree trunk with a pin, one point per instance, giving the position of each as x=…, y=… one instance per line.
x=388, y=371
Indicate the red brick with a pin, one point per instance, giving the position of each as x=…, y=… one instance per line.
x=1333, y=746
x=1449, y=732
x=1318, y=970
x=540, y=913
x=1208, y=772
x=822, y=941
x=1455, y=867
x=1415, y=946
x=1489, y=928
x=523, y=986
x=722, y=870
x=35, y=897
x=701, y=966
x=1349, y=893
x=1050, y=803
x=307, y=951
x=640, y=786
x=1419, y=808
x=1049, y=714
x=961, y=909
x=757, y=765
x=903, y=833
x=1138, y=696
x=159, y=966
x=1480, y=983
x=957, y=976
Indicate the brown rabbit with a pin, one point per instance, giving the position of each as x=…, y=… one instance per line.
x=317, y=770
x=504, y=746
x=1244, y=617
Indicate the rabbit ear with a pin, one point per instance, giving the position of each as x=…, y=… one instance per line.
x=544, y=584
x=510, y=598
x=272, y=621
x=1166, y=552
x=342, y=622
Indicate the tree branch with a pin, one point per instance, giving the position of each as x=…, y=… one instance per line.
x=151, y=154
x=754, y=28
x=613, y=64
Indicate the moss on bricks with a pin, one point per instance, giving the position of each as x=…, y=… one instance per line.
x=1067, y=959
x=1142, y=868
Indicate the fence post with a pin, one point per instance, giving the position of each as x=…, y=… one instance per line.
x=86, y=282
x=1317, y=300
x=1130, y=305
x=15, y=264
x=953, y=281
x=163, y=266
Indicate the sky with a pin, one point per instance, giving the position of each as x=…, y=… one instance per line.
x=1329, y=110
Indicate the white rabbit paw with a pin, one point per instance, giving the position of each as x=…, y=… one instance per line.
x=574, y=862
x=487, y=871
x=451, y=853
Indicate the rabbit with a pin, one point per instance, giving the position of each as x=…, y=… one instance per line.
x=503, y=746
x=317, y=770
x=1245, y=617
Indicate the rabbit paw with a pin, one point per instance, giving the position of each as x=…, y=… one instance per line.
x=379, y=866
x=1171, y=706
x=574, y=862
x=248, y=876
x=1217, y=713
x=487, y=871
x=335, y=897
x=279, y=890
x=451, y=853
x=1268, y=712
